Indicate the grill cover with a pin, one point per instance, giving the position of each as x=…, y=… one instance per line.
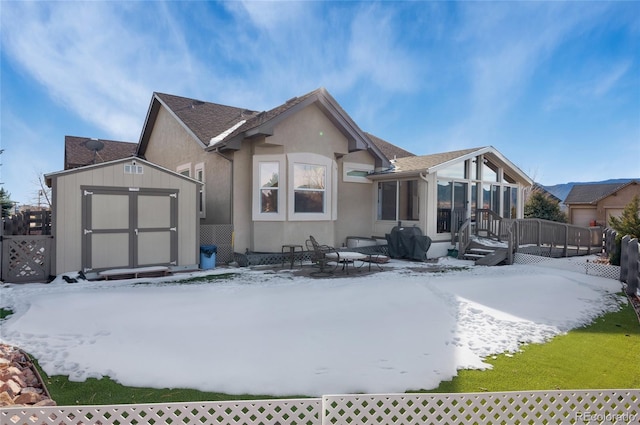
x=408, y=242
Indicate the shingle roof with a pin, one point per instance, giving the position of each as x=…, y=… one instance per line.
x=389, y=150
x=423, y=162
x=224, y=127
x=592, y=193
x=205, y=119
x=77, y=154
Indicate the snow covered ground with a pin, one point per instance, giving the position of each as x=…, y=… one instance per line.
x=408, y=327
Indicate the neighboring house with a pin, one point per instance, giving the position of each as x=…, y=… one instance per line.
x=594, y=204
x=306, y=168
x=125, y=213
x=82, y=151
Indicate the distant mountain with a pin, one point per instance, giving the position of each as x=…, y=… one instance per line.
x=563, y=189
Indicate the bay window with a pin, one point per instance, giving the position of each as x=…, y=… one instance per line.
x=309, y=187
x=269, y=186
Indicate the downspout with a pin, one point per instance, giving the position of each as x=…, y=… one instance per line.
x=426, y=202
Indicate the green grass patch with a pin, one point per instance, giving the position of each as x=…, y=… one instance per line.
x=601, y=355
x=4, y=313
x=107, y=391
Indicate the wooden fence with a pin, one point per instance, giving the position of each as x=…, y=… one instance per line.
x=28, y=223
x=629, y=253
x=524, y=407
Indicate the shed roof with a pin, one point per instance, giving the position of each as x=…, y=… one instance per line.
x=77, y=154
x=591, y=194
x=88, y=168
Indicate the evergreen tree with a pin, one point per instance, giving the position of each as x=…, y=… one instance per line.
x=5, y=202
x=539, y=205
x=629, y=222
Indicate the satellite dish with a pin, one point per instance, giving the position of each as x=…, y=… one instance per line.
x=95, y=146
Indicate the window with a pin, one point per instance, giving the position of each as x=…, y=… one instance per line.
x=455, y=171
x=268, y=199
x=199, y=175
x=489, y=172
x=133, y=169
x=269, y=186
x=452, y=205
x=184, y=169
x=509, y=202
x=387, y=200
x=408, y=200
x=309, y=186
x=398, y=200
x=356, y=173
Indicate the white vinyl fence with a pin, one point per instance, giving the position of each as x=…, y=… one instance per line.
x=530, y=407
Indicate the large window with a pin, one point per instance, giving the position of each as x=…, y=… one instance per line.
x=309, y=188
x=294, y=187
x=269, y=187
x=452, y=205
x=387, y=194
x=398, y=200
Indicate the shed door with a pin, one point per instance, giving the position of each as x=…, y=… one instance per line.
x=125, y=228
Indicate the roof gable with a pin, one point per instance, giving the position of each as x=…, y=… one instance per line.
x=591, y=194
x=202, y=120
x=220, y=127
x=264, y=123
x=77, y=154
x=137, y=160
x=432, y=163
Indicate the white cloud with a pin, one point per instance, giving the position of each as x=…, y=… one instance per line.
x=91, y=61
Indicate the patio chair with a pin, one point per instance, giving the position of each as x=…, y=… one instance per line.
x=326, y=257
x=326, y=265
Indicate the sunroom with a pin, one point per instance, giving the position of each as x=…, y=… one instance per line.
x=439, y=192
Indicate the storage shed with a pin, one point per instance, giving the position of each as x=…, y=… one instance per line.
x=126, y=213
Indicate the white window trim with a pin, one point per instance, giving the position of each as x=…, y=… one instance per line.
x=203, y=193
x=184, y=167
x=354, y=166
x=330, y=207
x=257, y=215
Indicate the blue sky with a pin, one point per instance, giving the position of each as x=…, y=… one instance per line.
x=554, y=86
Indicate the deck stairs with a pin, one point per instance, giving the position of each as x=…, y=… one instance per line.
x=485, y=254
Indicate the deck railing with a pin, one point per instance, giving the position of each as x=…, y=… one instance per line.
x=523, y=407
x=532, y=236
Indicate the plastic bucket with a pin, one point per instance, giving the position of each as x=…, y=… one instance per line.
x=208, y=256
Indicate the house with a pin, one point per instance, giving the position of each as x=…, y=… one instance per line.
x=83, y=151
x=594, y=204
x=125, y=213
x=306, y=168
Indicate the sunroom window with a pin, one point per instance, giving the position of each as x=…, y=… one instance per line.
x=398, y=200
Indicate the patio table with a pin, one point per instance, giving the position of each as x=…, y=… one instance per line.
x=346, y=258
